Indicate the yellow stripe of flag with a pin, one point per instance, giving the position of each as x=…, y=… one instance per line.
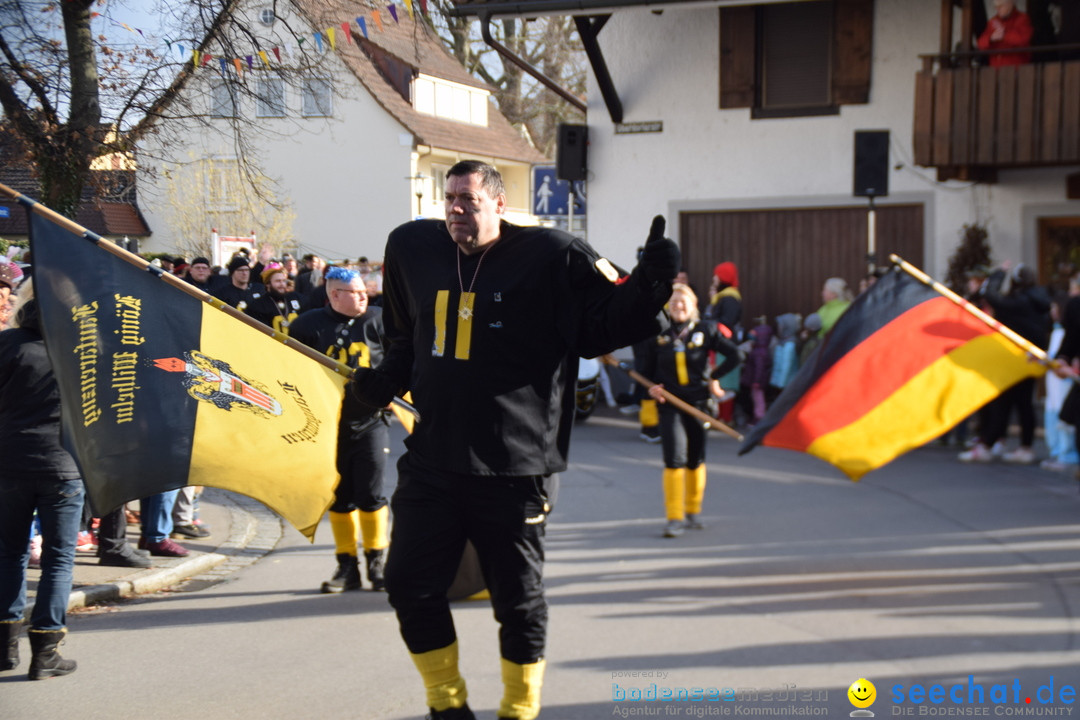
x=938, y=397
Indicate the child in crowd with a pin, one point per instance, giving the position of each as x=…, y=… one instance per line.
x=757, y=369
x=1060, y=442
x=785, y=355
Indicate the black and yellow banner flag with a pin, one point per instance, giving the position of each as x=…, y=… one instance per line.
x=161, y=390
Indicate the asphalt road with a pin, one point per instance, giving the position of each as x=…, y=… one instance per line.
x=953, y=589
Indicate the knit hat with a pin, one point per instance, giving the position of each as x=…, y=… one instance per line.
x=271, y=270
x=201, y=260
x=727, y=273
x=237, y=262
x=812, y=322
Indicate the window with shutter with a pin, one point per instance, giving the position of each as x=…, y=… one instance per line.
x=795, y=58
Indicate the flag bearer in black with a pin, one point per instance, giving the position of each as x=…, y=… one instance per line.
x=678, y=361
x=351, y=332
x=485, y=321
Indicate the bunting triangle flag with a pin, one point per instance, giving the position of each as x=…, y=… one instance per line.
x=160, y=390
x=902, y=365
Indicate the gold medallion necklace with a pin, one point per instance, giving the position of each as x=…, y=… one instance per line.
x=467, y=299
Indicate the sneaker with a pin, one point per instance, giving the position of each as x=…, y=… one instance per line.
x=978, y=453
x=86, y=542
x=127, y=556
x=650, y=434
x=693, y=523
x=673, y=529
x=1053, y=465
x=163, y=548
x=191, y=532
x=1019, y=456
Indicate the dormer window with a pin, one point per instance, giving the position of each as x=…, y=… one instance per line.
x=450, y=100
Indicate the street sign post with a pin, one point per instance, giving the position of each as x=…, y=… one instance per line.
x=551, y=196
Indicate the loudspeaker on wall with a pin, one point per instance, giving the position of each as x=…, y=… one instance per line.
x=570, y=156
x=871, y=163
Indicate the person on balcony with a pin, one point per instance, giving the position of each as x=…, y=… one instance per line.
x=1008, y=28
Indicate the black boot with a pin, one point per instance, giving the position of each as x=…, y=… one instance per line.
x=9, y=640
x=346, y=577
x=46, y=661
x=376, y=560
x=461, y=713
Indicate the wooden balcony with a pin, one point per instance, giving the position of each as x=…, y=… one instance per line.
x=973, y=120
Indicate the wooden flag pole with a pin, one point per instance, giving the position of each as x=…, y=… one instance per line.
x=186, y=287
x=709, y=422
x=1023, y=343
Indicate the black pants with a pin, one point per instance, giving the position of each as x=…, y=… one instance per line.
x=112, y=532
x=683, y=436
x=504, y=517
x=998, y=411
x=361, y=462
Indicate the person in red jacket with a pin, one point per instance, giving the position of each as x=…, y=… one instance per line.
x=1009, y=28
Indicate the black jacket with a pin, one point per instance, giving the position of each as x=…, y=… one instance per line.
x=1024, y=310
x=30, y=406
x=492, y=372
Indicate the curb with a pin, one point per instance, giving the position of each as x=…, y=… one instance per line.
x=147, y=581
x=252, y=534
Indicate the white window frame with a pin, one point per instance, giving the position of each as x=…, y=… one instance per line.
x=313, y=98
x=267, y=87
x=222, y=184
x=222, y=99
x=450, y=100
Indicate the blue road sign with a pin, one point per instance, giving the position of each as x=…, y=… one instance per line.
x=551, y=196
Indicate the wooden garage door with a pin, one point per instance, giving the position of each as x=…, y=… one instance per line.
x=785, y=255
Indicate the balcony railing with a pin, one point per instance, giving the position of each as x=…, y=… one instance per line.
x=972, y=120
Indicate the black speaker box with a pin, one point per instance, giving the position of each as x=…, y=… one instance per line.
x=570, y=157
x=871, y=163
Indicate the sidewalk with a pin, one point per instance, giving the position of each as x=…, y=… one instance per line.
x=243, y=530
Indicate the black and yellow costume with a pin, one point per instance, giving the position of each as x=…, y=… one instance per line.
x=679, y=360
x=360, y=513
x=492, y=374
x=276, y=311
x=239, y=298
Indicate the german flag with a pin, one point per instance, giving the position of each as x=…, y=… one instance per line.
x=902, y=365
x=160, y=390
